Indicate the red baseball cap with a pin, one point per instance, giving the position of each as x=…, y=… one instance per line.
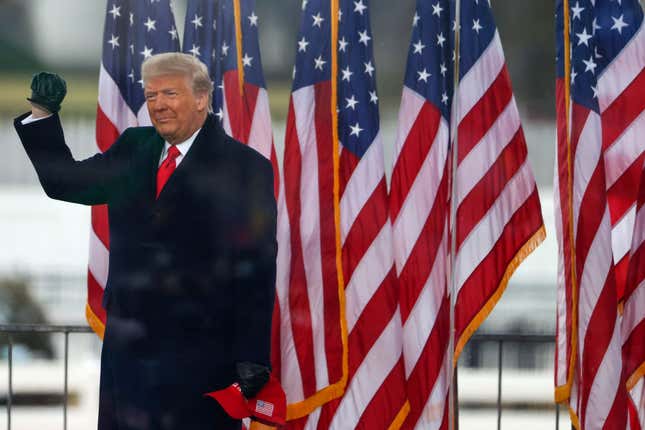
x=269, y=406
x=232, y=400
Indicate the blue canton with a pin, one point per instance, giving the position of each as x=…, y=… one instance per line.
x=135, y=30
x=599, y=30
x=430, y=66
x=358, y=116
x=210, y=35
x=313, y=59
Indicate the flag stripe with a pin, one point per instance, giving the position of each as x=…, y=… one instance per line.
x=261, y=134
x=586, y=156
x=391, y=387
x=99, y=259
x=368, y=377
x=362, y=238
x=590, y=374
x=621, y=194
x=94, y=311
x=633, y=332
x=327, y=216
x=621, y=235
x=417, y=120
x=598, y=368
x=488, y=150
x=415, y=155
x=490, y=272
x=113, y=106
x=623, y=114
x=426, y=253
x=299, y=298
x=633, y=322
x=106, y=132
x=498, y=213
x=423, y=377
x=237, y=110
x=486, y=115
x=363, y=182
x=340, y=124
x=367, y=331
x=487, y=190
x=366, y=282
x=486, y=234
x=408, y=224
x=476, y=82
x=425, y=312
x=622, y=70
x=435, y=413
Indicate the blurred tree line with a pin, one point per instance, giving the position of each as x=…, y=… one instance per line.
x=526, y=29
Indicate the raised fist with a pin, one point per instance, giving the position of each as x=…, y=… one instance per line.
x=48, y=90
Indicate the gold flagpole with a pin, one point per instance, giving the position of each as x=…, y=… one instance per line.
x=453, y=407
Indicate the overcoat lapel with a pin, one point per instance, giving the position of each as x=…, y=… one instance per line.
x=205, y=142
x=154, y=147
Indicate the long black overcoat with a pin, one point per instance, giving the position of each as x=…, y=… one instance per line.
x=191, y=278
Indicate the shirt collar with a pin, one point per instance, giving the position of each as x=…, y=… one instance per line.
x=183, y=147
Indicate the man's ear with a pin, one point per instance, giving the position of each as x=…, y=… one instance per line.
x=202, y=101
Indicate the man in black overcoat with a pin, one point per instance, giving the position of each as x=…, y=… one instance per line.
x=191, y=277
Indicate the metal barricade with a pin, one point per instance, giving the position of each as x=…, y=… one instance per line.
x=502, y=339
x=12, y=329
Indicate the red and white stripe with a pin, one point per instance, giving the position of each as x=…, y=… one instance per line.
x=311, y=344
x=499, y=220
x=622, y=106
x=596, y=392
x=498, y=223
x=564, y=348
x=419, y=207
x=633, y=321
x=310, y=336
x=247, y=118
x=113, y=116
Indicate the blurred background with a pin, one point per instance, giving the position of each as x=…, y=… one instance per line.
x=44, y=243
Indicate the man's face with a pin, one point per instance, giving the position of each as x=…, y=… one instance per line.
x=176, y=112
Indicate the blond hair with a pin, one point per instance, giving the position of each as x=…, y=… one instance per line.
x=177, y=63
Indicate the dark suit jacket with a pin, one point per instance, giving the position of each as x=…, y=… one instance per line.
x=191, y=276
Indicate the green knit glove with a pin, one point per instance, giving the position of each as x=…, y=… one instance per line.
x=48, y=90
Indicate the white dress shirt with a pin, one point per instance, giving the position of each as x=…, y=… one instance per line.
x=183, y=148
x=31, y=119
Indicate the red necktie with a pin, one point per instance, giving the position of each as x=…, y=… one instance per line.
x=167, y=167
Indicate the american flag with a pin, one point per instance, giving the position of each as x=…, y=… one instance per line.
x=263, y=407
x=224, y=36
x=633, y=322
x=498, y=217
x=619, y=33
x=341, y=331
x=588, y=370
x=134, y=30
x=619, y=36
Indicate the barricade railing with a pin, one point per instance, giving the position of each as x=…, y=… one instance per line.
x=502, y=339
x=9, y=330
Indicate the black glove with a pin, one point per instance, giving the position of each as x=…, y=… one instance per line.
x=252, y=377
x=48, y=90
